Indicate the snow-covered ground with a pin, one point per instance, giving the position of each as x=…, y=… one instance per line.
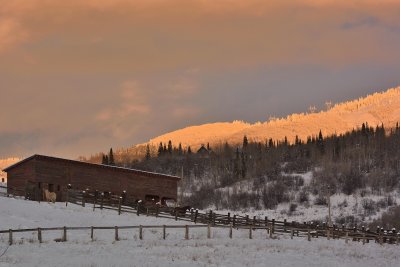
x=79, y=250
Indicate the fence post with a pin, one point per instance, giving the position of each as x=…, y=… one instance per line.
x=64, y=238
x=91, y=232
x=186, y=232
x=247, y=219
x=119, y=205
x=102, y=200
x=273, y=225
x=284, y=225
x=137, y=209
x=116, y=233
x=209, y=231
x=10, y=237
x=214, y=217
x=234, y=220
x=230, y=231
x=67, y=196
x=83, y=198
x=195, y=215
x=363, y=239
x=39, y=234
x=176, y=215
x=270, y=231
x=250, y=232
x=229, y=217
x=191, y=215
x=140, y=232
x=164, y=231
x=266, y=221
x=291, y=234
x=308, y=235
x=95, y=199
x=254, y=220
x=328, y=233
x=123, y=197
x=210, y=217
x=347, y=236
x=343, y=229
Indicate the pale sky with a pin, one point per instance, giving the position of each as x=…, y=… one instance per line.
x=78, y=77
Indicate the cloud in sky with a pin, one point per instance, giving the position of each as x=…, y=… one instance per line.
x=79, y=76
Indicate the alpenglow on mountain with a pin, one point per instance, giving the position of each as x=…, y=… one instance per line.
x=375, y=109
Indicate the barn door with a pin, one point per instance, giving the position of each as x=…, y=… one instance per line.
x=32, y=191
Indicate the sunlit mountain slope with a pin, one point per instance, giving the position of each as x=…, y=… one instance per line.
x=375, y=109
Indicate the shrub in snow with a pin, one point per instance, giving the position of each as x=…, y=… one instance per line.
x=303, y=197
x=369, y=206
x=389, y=219
x=320, y=200
x=292, y=207
x=386, y=202
x=348, y=221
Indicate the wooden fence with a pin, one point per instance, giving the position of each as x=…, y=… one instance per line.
x=123, y=204
x=308, y=229
x=64, y=231
x=294, y=231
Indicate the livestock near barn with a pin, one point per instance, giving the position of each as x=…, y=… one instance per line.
x=49, y=196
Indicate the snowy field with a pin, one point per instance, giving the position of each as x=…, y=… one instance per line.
x=79, y=250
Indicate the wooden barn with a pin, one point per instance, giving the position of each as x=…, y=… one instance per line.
x=38, y=172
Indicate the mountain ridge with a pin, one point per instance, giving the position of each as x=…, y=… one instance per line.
x=374, y=109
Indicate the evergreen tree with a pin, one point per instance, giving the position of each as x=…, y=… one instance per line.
x=236, y=164
x=189, y=151
x=180, y=151
x=104, y=160
x=244, y=167
x=320, y=142
x=170, y=147
x=160, y=149
x=297, y=140
x=111, y=158
x=148, y=155
x=245, y=142
x=271, y=143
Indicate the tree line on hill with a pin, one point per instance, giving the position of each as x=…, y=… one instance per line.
x=256, y=174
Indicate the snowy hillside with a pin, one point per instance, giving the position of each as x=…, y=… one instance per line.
x=375, y=109
x=361, y=208
x=79, y=250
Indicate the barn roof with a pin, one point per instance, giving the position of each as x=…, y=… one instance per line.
x=48, y=158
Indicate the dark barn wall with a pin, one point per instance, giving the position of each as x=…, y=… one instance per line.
x=18, y=177
x=59, y=173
